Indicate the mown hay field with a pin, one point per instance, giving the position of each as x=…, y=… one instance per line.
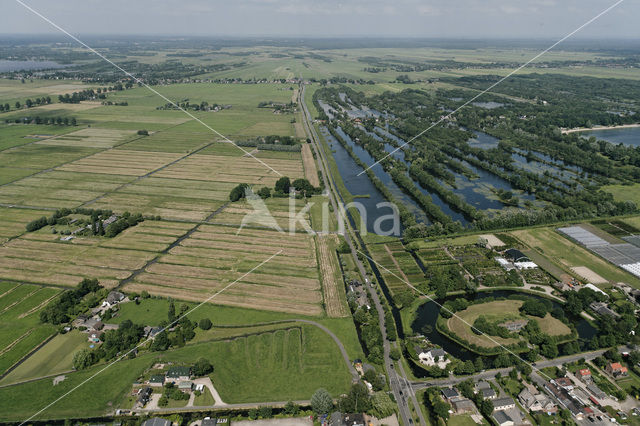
x=214, y=257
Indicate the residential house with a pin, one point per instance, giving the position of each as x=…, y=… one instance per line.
x=504, y=403
x=564, y=383
x=536, y=401
x=113, y=298
x=432, y=357
x=617, y=370
x=486, y=390
x=208, y=421
x=144, y=395
x=462, y=405
x=584, y=375
x=178, y=373
x=156, y=422
x=449, y=393
x=502, y=418
x=151, y=332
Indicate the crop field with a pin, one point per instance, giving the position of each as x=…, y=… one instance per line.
x=90, y=137
x=565, y=254
x=214, y=257
x=14, y=221
x=334, y=296
x=40, y=257
x=20, y=327
x=310, y=170
x=399, y=267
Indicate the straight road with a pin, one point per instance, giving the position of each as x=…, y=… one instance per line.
x=400, y=386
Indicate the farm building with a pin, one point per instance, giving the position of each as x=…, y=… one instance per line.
x=179, y=373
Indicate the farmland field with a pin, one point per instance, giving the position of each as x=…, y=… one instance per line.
x=287, y=363
x=566, y=255
x=20, y=327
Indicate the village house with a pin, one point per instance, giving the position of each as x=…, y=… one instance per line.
x=564, y=383
x=433, y=357
x=616, y=369
x=486, y=390
x=339, y=419
x=112, y=299
x=536, y=402
x=504, y=403
x=502, y=418
x=584, y=375
x=144, y=395
x=596, y=391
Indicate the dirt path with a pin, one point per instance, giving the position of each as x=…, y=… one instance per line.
x=331, y=287
x=395, y=262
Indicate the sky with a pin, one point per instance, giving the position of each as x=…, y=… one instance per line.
x=535, y=19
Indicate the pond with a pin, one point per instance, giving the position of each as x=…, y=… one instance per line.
x=488, y=105
x=629, y=136
x=427, y=314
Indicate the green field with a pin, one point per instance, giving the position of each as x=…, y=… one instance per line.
x=20, y=327
x=285, y=364
x=54, y=358
x=498, y=311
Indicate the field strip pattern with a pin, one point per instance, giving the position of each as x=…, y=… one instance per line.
x=332, y=286
x=213, y=256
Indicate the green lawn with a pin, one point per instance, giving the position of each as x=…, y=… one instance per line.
x=53, y=358
x=280, y=365
x=204, y=399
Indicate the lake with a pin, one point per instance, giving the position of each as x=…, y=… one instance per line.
x=10, y=66
x=628, y=135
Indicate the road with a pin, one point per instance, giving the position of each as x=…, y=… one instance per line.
x=557, y=362
x=400, y=386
